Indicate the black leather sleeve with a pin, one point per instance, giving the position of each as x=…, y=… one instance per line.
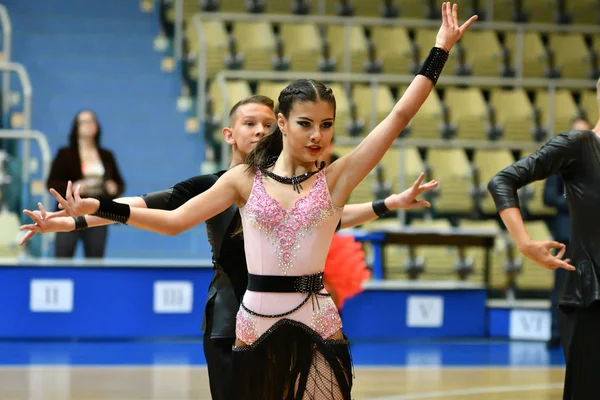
x=558, y=155
x=174, y=197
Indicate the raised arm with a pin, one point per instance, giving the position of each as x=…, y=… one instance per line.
x=348, y=171
x=558, y=155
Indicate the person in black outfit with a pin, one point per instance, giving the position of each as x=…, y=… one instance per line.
x=554, y=196
x=574, y=155
x=250, y=119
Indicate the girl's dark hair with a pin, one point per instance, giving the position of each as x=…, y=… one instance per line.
x=302, y=90
x=74, y=134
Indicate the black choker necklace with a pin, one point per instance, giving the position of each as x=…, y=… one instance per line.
x=294, y=180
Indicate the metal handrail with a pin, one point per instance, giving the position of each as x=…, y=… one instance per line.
x=40, y=138
x=178, y=35
x=202, y=77
x=6, y=51
x=23, y=76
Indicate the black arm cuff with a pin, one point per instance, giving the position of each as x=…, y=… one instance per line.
x=434, y=63
x=80, y=223
x=113, y=211
x=379, y=207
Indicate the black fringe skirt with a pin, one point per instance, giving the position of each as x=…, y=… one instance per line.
x=290, y=361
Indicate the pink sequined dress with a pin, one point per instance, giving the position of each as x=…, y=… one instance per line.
x=288, y=336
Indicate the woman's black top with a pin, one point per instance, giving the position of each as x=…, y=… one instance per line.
x=576, y=157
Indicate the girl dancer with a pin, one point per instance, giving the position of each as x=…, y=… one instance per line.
x=289, y=343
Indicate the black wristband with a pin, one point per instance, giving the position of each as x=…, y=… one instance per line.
x=113, y=211
x=80, y=223
x=434, y=63
x=379, y=207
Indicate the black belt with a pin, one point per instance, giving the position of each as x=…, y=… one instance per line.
x=286, y=284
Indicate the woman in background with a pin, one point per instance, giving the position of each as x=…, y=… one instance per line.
x=93, y=168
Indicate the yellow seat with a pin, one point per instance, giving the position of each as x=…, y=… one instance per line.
x=362, y=96
x=536, y=205
x=564, y=111
x=302, y=42
x=498, y=255
x=216, y=41
x=394, y=255
x=366, y=8
x=514, y=112
x=589, y=104
x=232, y=6
x=532, y=275
x=342, y=109
x=535, y=59
x=256, y=41
x=412, y=9
x=190, y=8
x=483, y=52
x=584, y=11
x=271, y=89
x=438, y=260
x=236, y=90
x=488, y=163
x=364, y=191
x=413, y=166
x=428, y=120
x=394, y=48
x=540, y=11
x=451, y=168
x=357, y=46
x=503, y=10
x=468, y=112
x=282, y=7
x=571, y=55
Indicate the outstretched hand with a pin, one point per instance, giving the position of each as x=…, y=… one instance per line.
x=72, y=204
x=450, y=32
x=539, y=252
x=44, y=222
x=408, y=199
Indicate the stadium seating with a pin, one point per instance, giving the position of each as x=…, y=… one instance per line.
x=473, y=113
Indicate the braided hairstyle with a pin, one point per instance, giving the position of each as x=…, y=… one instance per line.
x=301, y=90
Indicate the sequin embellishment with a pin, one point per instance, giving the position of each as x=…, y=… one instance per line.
x=286, y=227
x=245, y=327
x=326, y=321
